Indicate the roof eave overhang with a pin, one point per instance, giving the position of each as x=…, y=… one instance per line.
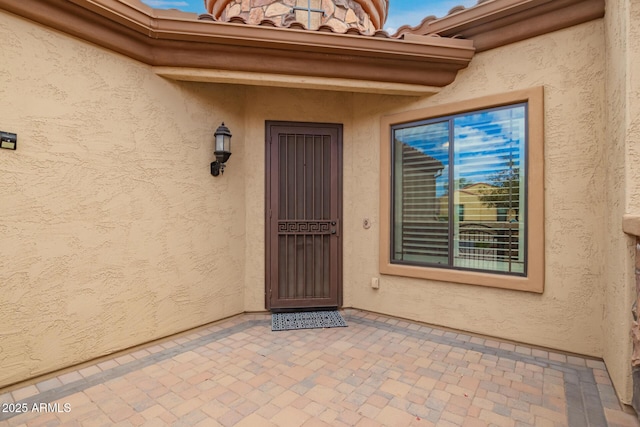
x=500, y=22
x=179, y=40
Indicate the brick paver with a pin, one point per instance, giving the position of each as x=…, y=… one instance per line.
x=379, y=371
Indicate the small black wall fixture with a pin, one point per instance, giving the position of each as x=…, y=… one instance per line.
x=8, y=140
x=222, y=149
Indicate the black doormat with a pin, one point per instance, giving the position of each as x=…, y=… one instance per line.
x=306, y=320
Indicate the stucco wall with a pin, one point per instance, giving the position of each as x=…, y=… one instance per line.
x=633, y=104
x=285, y=105
x=112, y=230
x=570, y=66
x=622, y=157
x=359, y=113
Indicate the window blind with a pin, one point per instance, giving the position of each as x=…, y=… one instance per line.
x=458, y=191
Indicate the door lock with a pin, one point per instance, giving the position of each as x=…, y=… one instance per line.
x=335, y=228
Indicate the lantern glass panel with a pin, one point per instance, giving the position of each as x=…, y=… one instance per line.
x=220, y=145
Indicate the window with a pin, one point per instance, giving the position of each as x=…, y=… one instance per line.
x=502, y=214
x=479, y=158
x=462, y=195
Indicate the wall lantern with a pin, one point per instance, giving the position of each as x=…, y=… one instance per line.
x=222, y=149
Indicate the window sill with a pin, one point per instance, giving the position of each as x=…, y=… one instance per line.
x=533, y=283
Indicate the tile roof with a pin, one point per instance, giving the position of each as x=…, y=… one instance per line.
x=494, y=23
x=418, y=29
x=296, y=25
x=489, y=23
x=376, y=11
x=427, y=19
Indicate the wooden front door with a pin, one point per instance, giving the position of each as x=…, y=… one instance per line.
x=303, y=215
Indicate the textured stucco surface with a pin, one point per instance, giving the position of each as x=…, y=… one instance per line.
x=113, y=231
x=622, y=156
x=284, y=105
x=567, y=63
x=359, y=115
x=570, y=66
x=632, y=37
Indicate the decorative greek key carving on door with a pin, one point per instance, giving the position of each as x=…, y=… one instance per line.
x=307, y=227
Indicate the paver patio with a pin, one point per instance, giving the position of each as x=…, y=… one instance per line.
x=378, y=371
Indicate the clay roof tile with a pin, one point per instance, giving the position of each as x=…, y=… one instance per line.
x=456, y=9
x=381, y=34
x=353, y=31
x=206, y=17
x=297, y=26
x=326, y=28
x=237, y=20
x=267, y=23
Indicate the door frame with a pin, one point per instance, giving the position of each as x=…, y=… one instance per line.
x=268, y=175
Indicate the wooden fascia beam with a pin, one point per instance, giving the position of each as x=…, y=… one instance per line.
x=178, y=39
